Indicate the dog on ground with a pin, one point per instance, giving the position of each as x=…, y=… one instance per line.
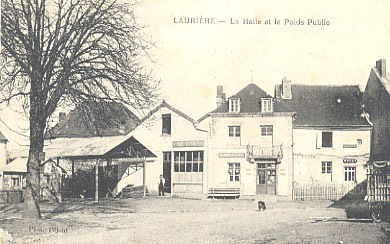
x=261, y=206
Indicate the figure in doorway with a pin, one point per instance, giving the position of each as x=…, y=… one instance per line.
x=161, y=184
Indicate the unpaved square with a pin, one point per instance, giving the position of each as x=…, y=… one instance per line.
x=177, y=220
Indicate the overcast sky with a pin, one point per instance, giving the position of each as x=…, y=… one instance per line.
x=192, y=59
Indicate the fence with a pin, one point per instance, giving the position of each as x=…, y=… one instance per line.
x=327, y=191
x=15, y=196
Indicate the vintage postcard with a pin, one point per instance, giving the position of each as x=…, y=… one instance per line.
x=194, y=121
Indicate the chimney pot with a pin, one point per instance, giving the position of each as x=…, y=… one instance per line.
x=286, y=89
x=381, y=67
x=221, y=97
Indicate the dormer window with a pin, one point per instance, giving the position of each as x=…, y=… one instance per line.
x=266, y=105
x=234, y=105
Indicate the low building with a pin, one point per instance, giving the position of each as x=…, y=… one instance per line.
x=51, y=177
x=249, y=143
x=331, y=133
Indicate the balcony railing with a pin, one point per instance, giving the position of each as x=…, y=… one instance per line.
x=258, y=151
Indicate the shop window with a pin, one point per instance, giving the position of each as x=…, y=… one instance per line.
x=349, y=173
x=191, y=161
x=234, y=171
x=166, y=124
x=327, y=139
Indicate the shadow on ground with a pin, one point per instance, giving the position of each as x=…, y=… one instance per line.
x=355, y=207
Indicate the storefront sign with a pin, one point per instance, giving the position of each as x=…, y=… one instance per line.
x=195, y=143
x=231, y=155
x=349, y=160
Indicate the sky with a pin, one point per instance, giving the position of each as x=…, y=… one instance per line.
x=192, y=59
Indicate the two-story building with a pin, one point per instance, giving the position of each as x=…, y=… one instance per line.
x=180, y=148
x=249, y=143
x=331, y=133
x=377, y=104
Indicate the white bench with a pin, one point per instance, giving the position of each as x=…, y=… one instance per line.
x=224, y=192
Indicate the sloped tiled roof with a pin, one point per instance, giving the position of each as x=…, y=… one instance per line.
x=250, y=102
x=325, y=105
x=17, y=165
x=92, y=147
x=166, y=105
x=95, y=119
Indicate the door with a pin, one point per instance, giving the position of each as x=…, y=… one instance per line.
x=167, y=166
x=266, y=178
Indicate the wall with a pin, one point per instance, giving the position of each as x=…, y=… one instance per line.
x=221, y=143
x=3, y=160
x=377, y=105
x=309, y=153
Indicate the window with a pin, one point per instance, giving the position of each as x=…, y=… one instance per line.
x=15, y=181
x=234, y=171
x=326, y=139
x=326, y=167
x=191, y=161
x=266, y=130
x=234, y=105
x=266, y=105
x=234, y=131
x=349, y=173
x=166, y=124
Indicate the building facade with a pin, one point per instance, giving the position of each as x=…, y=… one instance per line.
x=331, y=133
x=377, y=105
x=3, y=156
x=181, y=153
x=249, y=143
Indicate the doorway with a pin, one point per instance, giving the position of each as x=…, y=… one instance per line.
x=266, y=178
x=167, y=166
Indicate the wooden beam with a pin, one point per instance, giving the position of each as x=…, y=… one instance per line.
x=73, y=178
x=97, y=181
x=144, y=177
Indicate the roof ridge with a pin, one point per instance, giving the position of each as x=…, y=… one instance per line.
x=330, y=85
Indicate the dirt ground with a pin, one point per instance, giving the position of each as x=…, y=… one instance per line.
x=177, y=220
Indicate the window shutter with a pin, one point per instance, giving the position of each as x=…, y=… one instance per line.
x=318, y=140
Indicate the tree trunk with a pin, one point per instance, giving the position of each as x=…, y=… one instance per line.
x=32, y=192
x=31, y=199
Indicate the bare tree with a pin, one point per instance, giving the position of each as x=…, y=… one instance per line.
x=69, y=51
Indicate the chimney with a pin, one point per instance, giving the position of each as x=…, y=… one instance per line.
x=286, y=89
x=221, y=97
x=381, y=67
x=61, y=118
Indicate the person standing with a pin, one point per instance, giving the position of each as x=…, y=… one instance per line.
x=161, y=183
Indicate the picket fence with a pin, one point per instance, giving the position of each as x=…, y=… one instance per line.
x=305, y=192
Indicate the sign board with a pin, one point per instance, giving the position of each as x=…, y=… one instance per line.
x=349, y=160
x=231, y=155
x=194, y=143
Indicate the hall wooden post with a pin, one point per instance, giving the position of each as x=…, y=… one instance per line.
x=144, y=176
x=97, y=181
x=73, y=184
